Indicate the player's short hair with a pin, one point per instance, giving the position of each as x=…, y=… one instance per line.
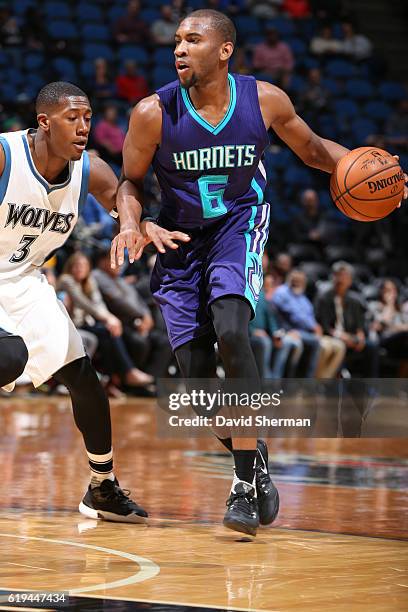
x=220, y=22
x=51, y=94
x=341, y=265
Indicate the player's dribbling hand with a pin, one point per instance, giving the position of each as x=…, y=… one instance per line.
x=162, y=238
x=130, y=239
x=405, y=196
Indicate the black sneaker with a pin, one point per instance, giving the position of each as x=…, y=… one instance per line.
x=242, y=513
x=111, y=503
x=268, y=496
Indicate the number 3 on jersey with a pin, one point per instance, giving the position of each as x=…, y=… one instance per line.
x=212, y=201
x=23, y=249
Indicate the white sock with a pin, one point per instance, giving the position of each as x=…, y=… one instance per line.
x=101, y=467
x=236, y=480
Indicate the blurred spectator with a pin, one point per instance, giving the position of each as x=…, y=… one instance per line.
x=148, y=347
x=265, y=9
x=102, y=87
x=240, y=62
x=314, y=97
x=13, y=124
x=396, y=128
x=34, y=31
x=273, y=57
x=296, y=312
x=90, y=313
x=278, y=346
x=10, y=32
x=131, y=85
x=283, y=264
x=390, y=322
x=130, y=28
x=297, y=9
x=356, y=46
x=325, y=43
x=180, y=10
x=99, y=223
x=164, y=29
x=110, y=136
x=310, y=225
x=341, y=315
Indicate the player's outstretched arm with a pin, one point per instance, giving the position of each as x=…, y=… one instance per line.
x=141, y=142
x=103, y=182
x=279, y=113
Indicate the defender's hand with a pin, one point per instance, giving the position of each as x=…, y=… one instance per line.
x=162, y=238
x=130, y=239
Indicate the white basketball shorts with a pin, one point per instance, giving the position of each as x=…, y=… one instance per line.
x=29, y=307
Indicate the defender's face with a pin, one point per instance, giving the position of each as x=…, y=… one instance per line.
x=198, y=51
x=68, y=127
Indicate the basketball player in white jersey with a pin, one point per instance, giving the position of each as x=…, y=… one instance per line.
x=45, y=175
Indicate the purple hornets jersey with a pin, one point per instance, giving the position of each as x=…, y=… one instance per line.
x=204, y=171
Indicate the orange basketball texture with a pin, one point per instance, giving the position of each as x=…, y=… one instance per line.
x=367, y=184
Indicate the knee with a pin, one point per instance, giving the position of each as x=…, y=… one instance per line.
x=79, y=377
x=232, y=341
x=14, y=355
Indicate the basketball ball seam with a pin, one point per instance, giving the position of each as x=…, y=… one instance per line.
x=359, y=212
x=348, y=189
x=357, y=158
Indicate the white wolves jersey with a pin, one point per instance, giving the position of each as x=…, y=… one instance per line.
x=36, y=218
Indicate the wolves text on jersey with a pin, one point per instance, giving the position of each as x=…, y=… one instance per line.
x=39, y=218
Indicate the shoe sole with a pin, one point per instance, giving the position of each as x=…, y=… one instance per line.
x=241, y=527
x=110, y=516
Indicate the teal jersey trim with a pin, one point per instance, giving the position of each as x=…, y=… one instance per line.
x=5, y=177
x=248, y=293
x=256, y=187
x=48, y=188
x=214, y=129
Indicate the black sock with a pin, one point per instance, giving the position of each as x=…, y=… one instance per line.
x=245, y=464
x=227, y=442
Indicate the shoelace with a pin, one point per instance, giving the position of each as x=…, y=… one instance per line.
x=240, y=498
x=262, y=477
x=118, y=493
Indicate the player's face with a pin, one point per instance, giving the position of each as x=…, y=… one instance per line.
x=199, y=51
x=68, y=126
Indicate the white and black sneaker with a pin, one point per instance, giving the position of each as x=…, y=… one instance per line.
x=111, y=503
x=242, y=514
x=267, y=493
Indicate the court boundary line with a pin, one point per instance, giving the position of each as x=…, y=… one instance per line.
x=148, y=568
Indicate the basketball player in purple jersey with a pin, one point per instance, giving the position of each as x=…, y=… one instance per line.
x=205, y=136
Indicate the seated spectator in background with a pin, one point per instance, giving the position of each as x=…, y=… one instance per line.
x=273, y=57
x=283, y=264
x=296, y=313
x=180, y=9
x=102, y=86
x=341, y=315
x=356, y=46
x=130, y=28
x=390, y=322
x=34, y=32
x=110, y=136
x=98, y=222
x=325, y=43
x=278, y=347
x=297, y=9
x=396, y=127
x=131, y=85
x=240, y=63
x=164, y=29
x=310, y=226
x=11, y=37
x=90, y=313
x=324, y=354
x=314, y=98
x=265, y=9
x=148, y=347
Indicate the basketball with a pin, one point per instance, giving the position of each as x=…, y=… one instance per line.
x=367, y=184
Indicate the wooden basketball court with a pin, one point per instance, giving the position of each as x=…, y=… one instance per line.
x=339, y=543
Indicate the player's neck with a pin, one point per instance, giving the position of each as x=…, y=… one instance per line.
x=214, y=92
x=47, y=164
